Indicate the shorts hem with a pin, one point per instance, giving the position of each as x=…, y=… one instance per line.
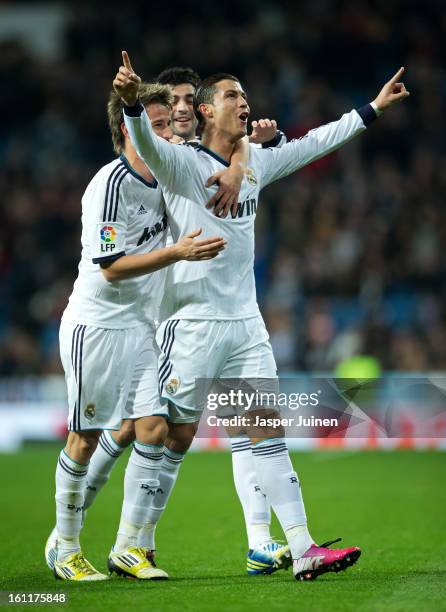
x=186, y=317
x=183, y=406
x=144, y=416
x=94, y=428
x=180, y=419
x=104, y=325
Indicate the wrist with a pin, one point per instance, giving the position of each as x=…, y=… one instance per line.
x=367, y=113
x=133, y=110
x=376, y=108
x=274, y=141
x=237, y=166
x=175, y=253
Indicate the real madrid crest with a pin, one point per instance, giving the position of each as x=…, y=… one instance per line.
x=250, y=176
x=90, y=411
x=173, y=385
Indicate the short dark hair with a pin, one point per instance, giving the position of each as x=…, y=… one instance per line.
x=177, y=76
x=148, y=93
x=206, y=91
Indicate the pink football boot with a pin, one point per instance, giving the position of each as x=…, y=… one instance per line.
x=318, y=560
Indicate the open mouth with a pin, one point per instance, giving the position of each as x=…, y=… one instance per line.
x=244, y=117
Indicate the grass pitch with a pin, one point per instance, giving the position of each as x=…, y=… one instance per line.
x=391, y=504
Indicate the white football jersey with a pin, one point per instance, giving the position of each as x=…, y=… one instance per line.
x=122, y=214
x=224, y=287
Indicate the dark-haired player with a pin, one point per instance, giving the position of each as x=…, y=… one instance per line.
x=183, y=82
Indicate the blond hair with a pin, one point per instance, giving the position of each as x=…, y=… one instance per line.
x=148, y=93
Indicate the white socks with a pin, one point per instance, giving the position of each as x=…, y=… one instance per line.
x=299, y=540
x=256, y=508
x=280, y=483
x=101, y=465
x=70, y=486
x=140, y=486
x=262, y=476
x=170, y=466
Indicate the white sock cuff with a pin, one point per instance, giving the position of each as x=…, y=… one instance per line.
x=239, y=445
x=109, y=445
x=146, y=455
x=271, y=446
x=71, y=467
x=172, y=456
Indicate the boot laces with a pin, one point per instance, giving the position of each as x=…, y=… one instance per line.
x=330, y=542
x=80, y=563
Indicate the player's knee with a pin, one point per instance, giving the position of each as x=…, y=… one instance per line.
x=181, y=436
x=81, y=445
x=151, y=430
x=159, y=432
x=126, y=433
x=272, y=428
x=88, y=444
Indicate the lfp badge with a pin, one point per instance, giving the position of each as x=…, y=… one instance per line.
x=108, y=236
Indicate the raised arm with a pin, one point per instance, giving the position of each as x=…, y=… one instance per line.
x=170, y=165
x=327, y=138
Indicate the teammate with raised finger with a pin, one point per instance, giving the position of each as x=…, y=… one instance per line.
x=107, y=340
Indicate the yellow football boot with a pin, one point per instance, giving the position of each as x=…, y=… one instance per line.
x=134, y=562
x=76, y=567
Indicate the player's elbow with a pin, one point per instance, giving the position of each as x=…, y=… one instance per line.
x=110, y=272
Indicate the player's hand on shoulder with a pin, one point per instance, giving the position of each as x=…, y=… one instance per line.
x=229, y=182
x=263, y=130
x=126, y=82
x=190, y=249
x=392, y=92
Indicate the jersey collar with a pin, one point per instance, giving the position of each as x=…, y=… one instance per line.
x=125, y=161
x=201, y=147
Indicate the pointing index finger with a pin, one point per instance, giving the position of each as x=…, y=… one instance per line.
x=396, y=76
x=126, y=60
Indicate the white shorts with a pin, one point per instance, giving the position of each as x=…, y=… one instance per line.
x=111, y=374
x=209, y=349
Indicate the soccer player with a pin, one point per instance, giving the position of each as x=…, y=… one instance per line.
x=213, y=327
x=270, y=555
x=183, y=83
x=107, y=340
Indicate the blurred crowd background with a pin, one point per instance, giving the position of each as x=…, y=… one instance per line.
x=349, y=250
